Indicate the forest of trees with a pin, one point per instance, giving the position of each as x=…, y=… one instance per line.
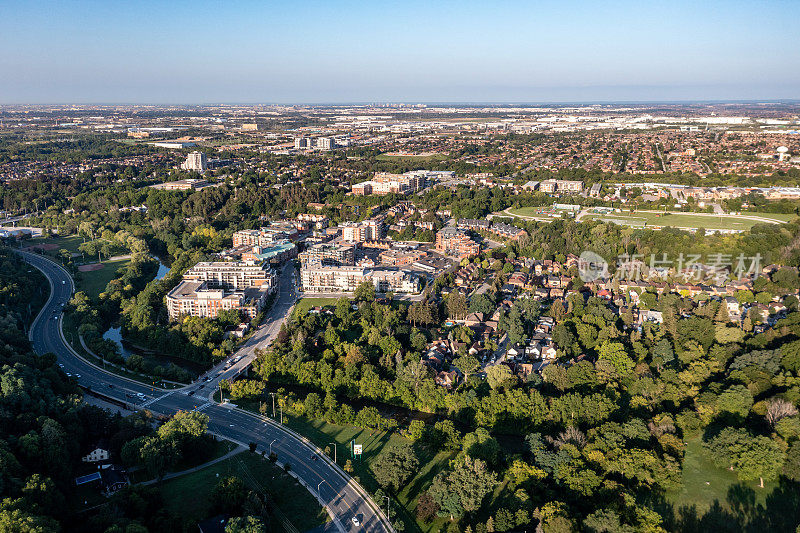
x=602, y=440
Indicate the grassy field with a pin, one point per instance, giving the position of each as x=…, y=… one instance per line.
x=526, y=212
x=92, y=283
x=69, y=243
x=189, y=495
x=679, y=220
x=324, y=435
x=95, y=281
x=220, y=448
x=704, y=483
x=785, y=217
x=305, y=304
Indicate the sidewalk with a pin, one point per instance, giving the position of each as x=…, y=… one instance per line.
x=171, y=475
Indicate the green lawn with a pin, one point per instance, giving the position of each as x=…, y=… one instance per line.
x=69, y=243
x=189, y=495
x=704, y=482
x=678, y=220
x=785, y=217
x=220, y=448
x=526, y=212
x=305, y=304
x=95, y=281
x=324, y=434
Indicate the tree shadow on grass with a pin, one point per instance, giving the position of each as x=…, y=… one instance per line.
x=780, y=512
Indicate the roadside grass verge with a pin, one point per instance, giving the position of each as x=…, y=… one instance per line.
x=325, y=436
x=189, y=496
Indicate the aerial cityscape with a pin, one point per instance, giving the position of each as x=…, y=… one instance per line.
x=458, y=268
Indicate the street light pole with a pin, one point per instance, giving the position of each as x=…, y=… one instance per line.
x=270, y=446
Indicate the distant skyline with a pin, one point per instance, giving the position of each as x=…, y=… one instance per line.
x=80, y=51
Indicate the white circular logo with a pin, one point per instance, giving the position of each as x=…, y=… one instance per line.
x=591, y=266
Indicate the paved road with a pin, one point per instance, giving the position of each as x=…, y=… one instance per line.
x=342, y=497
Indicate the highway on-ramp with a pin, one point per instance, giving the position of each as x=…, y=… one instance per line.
x=343, y=498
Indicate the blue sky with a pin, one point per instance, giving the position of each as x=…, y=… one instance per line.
x=322, y=52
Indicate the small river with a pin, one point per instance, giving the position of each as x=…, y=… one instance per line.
x=115, y=335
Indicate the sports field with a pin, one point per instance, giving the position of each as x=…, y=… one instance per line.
x=689, y=220
x=526, y=212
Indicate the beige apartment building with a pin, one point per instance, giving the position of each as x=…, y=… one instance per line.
x=209, y=287
x=232, y=275
x=348, y=278
x=196, y=298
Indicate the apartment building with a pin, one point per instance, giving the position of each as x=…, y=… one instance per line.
x=195, y=161
x=232, y=275
x=347, y=278
x=328, y=254
x=275, y=232
x=197, y=298
x=318, y=220
x=325, y=143
x=368, y=230
x=455, y=242
x=209, y=287
x=182, y=185
x=400, y=257
x=275, y=253
x=562, y=186
x=387, y=183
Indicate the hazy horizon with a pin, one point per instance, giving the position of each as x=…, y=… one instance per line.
x=86, y=51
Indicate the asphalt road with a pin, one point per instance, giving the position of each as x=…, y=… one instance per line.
x=342, y=497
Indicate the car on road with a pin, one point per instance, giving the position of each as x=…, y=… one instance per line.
x=356, y=522
x=191, y=392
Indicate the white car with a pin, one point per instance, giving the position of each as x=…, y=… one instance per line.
x=355, y=521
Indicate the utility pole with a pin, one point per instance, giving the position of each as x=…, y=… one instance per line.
x=273, y=403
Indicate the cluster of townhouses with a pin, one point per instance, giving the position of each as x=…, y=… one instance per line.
x=504, y=231
x=455, y=242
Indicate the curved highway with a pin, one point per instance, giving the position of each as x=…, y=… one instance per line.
x=347, y=504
